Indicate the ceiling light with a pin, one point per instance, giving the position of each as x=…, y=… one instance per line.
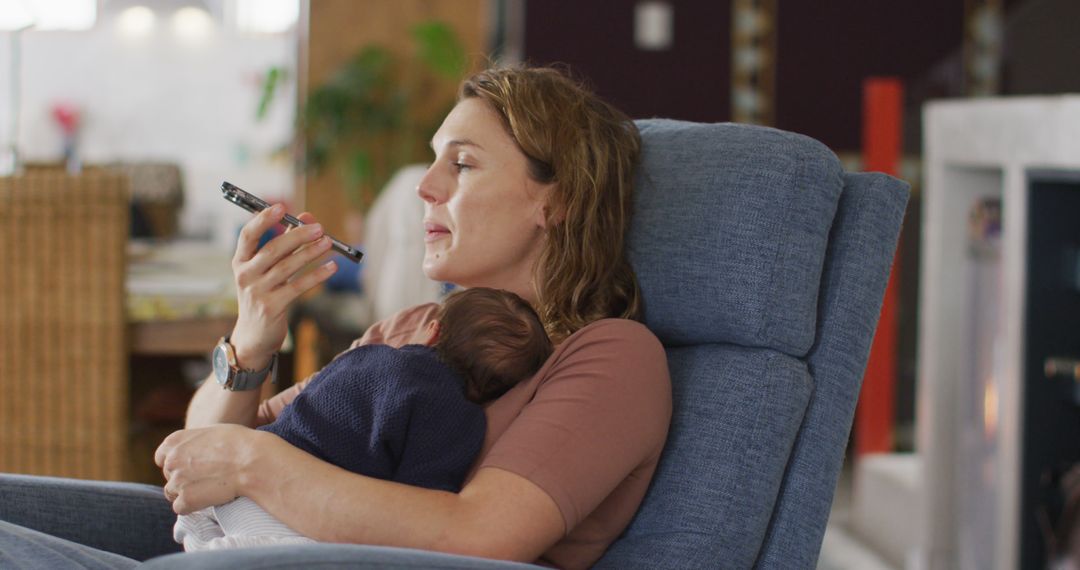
x=136, y=21
x=191, y=23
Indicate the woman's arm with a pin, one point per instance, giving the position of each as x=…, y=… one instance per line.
x=213, y=405
x=268, y=280
x=601, y=413
x=497, y=515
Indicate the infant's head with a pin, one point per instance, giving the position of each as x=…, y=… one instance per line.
x=493, y=338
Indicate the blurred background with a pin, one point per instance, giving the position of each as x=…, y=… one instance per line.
x=119, y=119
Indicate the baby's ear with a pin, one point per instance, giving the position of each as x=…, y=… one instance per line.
x=433, y=329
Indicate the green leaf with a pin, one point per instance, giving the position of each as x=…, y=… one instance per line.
x=359, y=120
x=274, y=75
x=439, y=47
x=360, y=171
x=317, y=152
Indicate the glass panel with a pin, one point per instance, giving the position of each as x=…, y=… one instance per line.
x=979, y=398
x=266, y=16
x=63, y=14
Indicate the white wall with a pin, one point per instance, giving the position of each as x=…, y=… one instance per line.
x=162, y=98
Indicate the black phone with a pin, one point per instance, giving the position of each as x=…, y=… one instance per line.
x=254, y=204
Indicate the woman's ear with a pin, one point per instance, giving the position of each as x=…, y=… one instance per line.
x=552, y=212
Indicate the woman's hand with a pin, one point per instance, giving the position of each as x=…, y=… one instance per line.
x=268, y=281
x=206, y=466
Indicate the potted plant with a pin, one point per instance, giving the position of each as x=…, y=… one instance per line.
x=377, y=112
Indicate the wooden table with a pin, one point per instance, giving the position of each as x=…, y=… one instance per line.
x=178, y=337
x=180, y=297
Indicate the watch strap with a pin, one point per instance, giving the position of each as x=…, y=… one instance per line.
x=243, y=379
x=251, y=379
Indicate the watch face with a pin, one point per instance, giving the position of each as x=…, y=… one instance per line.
x=221, y=365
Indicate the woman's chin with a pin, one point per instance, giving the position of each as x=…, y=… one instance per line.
x=435, y=268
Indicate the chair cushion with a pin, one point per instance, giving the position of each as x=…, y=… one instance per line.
x=860, y=256
x=729, y=233
x=735, y=417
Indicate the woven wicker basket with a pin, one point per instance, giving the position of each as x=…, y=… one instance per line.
x=63, y=361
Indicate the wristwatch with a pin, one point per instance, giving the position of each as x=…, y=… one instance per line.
x=229, y=374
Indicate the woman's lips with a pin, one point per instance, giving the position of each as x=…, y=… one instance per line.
x=434, y=232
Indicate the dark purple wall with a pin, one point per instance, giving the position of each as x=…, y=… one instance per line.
x=825, y=50
x=689, y=81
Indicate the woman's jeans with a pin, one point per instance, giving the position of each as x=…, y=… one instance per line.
x=131, y=520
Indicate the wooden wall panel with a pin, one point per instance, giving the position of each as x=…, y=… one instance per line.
x=337, y=29
x=63, y=359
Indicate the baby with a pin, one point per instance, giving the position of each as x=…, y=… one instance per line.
x=410, y=415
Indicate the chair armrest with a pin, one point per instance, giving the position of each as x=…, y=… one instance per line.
x=327, y=556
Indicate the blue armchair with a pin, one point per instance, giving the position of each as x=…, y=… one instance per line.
x=763, y=267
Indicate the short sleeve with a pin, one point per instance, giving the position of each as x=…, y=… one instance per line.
x=601, y=412
x=397, y=329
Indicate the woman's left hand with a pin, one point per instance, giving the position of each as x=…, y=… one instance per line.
x=204, y=466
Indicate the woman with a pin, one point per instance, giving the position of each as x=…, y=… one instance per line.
x=530, y=192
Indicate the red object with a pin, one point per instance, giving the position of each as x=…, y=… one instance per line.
x=875, y=414
x=67, y=116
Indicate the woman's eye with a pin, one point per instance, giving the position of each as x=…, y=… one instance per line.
x=461, y=166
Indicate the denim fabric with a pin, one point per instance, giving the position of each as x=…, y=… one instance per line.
x=736, y=413
x=124, y=518
x=729, y=232
x=25, y=549
x=859, y=259
x=48, y=523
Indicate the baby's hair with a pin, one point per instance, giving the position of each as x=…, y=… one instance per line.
x=492, y=338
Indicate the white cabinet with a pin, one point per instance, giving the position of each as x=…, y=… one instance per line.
x=975, y=369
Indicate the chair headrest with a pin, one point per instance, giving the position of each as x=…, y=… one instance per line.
x=729, y=232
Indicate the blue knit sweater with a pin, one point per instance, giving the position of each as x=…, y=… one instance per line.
x=395, y=414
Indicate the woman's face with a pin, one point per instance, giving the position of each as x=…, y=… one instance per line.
x=483, y=215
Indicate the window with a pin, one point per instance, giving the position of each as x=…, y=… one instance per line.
x=265, y=16
x=49, y=14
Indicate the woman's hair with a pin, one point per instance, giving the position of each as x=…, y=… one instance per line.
x=588, y=149
x=492, y=338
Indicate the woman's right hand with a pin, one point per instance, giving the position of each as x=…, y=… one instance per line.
x=270, y=279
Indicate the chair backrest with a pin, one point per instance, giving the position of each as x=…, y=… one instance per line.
x=762, y=266
x=63, y=359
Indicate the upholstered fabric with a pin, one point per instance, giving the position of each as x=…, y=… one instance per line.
x=131, y=519
x=325, y=557
x=729, y=241
x=859, y=258
x=729, y=234
x=736, y=413
x=729, y=249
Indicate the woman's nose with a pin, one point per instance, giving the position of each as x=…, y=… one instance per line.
x=430, y=190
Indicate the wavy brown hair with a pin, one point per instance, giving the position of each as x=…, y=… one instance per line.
x=588, y=149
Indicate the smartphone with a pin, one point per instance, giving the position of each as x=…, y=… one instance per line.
x=254, y=204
